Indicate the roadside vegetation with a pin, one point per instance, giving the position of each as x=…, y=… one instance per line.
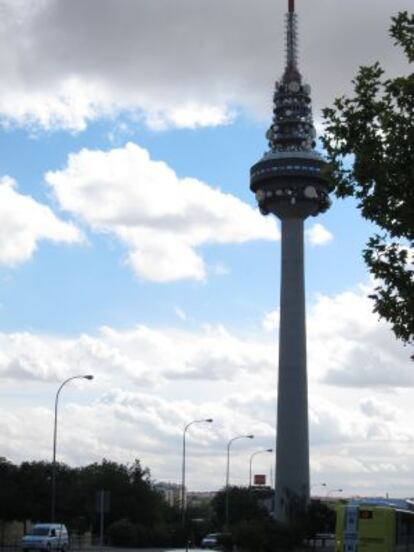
x=140, y=517
x=369, y=140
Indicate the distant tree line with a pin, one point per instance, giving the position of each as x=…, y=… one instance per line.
x=135, y=503
x=139, y=515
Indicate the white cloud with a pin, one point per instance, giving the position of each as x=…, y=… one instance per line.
x=27, y=356
x=122, y=425
x=149, y=382
x=220, y=269
x=373, y=408
x=25, y=222
x=180, y=313
x=37, y=439
x=348, y=346
x=333, y=424
x=176, y=64
x=271, y=321
x=189, y=116
x=213, y=354
x=161, y=218
x=71, y=105
x=318, y=235
x=141, y=355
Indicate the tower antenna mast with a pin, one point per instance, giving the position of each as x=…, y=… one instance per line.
x=291, y=36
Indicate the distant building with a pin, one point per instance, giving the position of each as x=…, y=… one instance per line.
x=170, y=491
x=200, y=498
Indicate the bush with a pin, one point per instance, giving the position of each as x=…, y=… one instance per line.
x=281, y=537
x=320, y=519
x=122, y=533
x=226, y=542
x=250, y=536
x=125, y=533
x=265, y=536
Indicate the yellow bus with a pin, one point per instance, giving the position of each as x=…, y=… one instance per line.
x=370, y=528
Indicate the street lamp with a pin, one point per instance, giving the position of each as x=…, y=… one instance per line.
x=228, y=472
x=53, y=506
x=250, y=462
x=334, y=491
x=317, y=485
x=183, y=496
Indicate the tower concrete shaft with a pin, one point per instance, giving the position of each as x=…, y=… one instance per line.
x=289, y=183
x=292, y=446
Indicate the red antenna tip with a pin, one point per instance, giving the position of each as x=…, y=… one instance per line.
x=291, y=6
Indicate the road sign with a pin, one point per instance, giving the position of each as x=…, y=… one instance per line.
x=103, y=502
x=260, y=479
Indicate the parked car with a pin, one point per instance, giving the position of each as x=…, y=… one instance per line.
x=46, y=536
x=212, y=540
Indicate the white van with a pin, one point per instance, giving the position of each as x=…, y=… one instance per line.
x=46, y=536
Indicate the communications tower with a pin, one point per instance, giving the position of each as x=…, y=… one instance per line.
x=288, y=183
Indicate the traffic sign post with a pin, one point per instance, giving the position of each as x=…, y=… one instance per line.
x=103, y=499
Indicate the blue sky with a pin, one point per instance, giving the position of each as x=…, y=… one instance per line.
x=211, y=155
x=131, y=246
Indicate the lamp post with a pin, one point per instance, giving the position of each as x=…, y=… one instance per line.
x=333, y=491
x=228, y=472
x=183, y=494
x=251, y=460
x=317, y=485
x=53, y=505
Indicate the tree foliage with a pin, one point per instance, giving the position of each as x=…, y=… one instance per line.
x=25, y=494
x=244, y=505
x=376, y=128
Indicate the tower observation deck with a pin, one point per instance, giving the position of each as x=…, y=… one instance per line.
x=288, y=183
